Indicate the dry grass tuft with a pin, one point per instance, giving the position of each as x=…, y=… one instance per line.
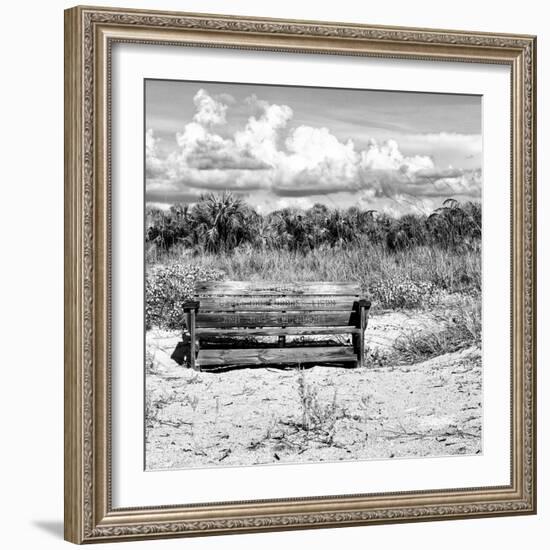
x=460, y=328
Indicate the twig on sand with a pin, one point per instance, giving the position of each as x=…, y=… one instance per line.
x=396, y=434
x=225, y=454
x=175, y=424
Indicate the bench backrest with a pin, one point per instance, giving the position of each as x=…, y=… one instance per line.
x=226, y=304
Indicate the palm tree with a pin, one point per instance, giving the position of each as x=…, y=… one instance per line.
x=290, y=228
x=220, y=221
x=453, y=225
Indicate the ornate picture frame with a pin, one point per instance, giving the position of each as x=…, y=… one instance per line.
x=90, y=34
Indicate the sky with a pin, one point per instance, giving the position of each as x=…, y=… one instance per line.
x=287, y=146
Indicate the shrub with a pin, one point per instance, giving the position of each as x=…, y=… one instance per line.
x=167, y=287
x=404, y=292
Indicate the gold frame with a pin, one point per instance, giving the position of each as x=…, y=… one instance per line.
x=89, y=35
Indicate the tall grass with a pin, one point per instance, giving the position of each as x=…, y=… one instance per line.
x=373, y=266
x=417, y=277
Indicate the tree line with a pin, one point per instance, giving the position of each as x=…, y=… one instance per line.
x=219, y=223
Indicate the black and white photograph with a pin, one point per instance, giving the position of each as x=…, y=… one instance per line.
x=313, y=281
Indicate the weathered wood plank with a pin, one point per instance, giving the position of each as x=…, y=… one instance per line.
x=265, y=356
x=275, y=288
x=276, y=319
x=278, y=303
x=274, y=331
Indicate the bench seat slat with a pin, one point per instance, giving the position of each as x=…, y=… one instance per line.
x=229, y=288
x=275, y=331
x=264, y=356
x=277, y=303
x=276, y=318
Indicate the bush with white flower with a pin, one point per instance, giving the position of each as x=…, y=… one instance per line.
x=404, y=292
x=167, y=287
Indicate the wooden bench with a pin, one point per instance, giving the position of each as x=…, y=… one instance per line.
x=238, y=309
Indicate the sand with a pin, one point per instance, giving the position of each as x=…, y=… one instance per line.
x=252, y=416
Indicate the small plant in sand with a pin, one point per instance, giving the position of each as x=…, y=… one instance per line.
x=318, y=418
x=377, y=357
x=365, y=407
x=193, y=402
x=150, y=365
x=154, y=403
x=195, y=378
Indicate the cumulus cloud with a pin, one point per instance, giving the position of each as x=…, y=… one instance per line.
x=387, y=156
x=314, y=160
x=201, y=148
x=269, y=154
x=261, y=134
x=209, y=110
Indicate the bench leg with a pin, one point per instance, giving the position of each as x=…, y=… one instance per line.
x=193, y=348
x=364, y=307
x=360, y=349
x=282, y=341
